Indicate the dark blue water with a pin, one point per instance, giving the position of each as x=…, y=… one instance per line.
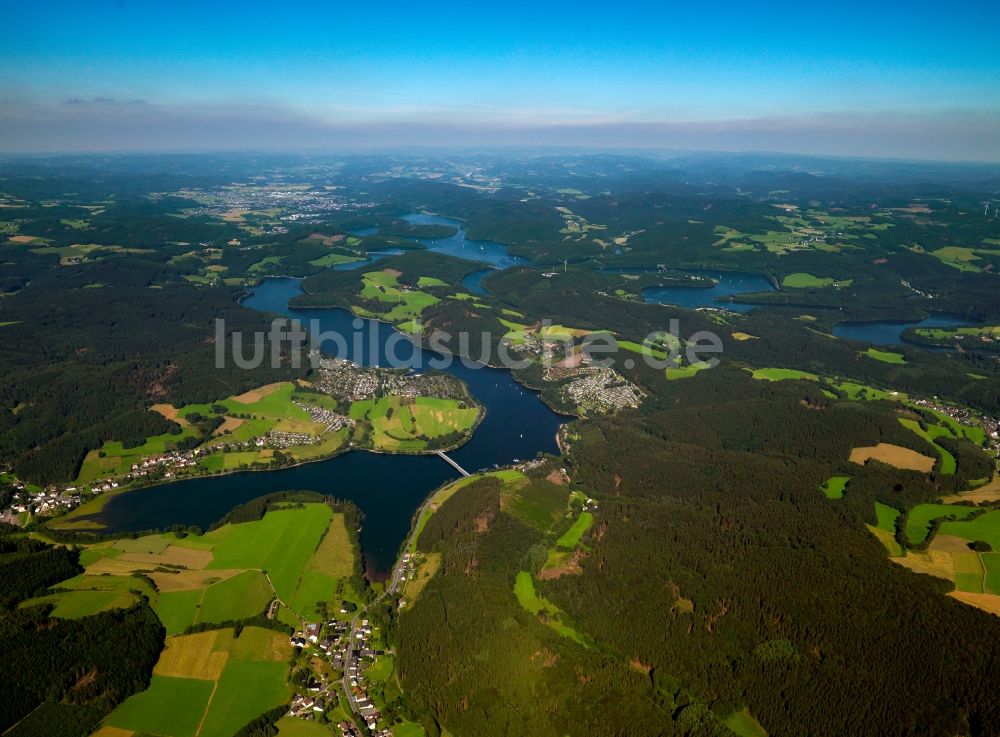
x=387, y=488
x=459, y=246
x=891, y=333
x=728, y=284
x=473, y=283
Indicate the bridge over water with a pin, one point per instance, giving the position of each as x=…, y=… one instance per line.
x=453, y=464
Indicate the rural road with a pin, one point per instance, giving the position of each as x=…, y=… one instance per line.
x=391, y=588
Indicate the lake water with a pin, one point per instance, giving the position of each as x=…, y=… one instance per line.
x=387, y=488
x=495, y=254
x=728, y=284
x=891, y=333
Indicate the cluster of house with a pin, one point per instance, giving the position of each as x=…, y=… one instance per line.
x=352, y=383
x=170, y=463
x=281, y=439
x=331, y=421
x=359, y=655
x=349, y=651
x=596, y=389
x=45, y=502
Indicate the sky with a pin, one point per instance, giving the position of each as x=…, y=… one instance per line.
x=909, y=79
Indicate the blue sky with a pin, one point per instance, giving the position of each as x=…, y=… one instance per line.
x=915, y=79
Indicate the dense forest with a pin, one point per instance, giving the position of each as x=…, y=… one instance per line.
x=62, y=676
x=716, y=576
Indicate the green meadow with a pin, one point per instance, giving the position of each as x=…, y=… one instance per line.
x=803, y=280
x=885, y=356
x=835, y=486
x=783, y=374
x=918, y=523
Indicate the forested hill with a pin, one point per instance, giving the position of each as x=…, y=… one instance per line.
x=716, y=577
x=62, y=676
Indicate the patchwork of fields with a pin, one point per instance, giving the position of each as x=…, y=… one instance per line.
x=208, y=684
x=300, y=555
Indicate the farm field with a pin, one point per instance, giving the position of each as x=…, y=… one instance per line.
x=227, y=574
x=894, y=455
x=402, y=302
x=209, y=684
x=410, y=426
x=919, y=521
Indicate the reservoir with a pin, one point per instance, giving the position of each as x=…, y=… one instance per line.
x=495, y=254
x=727, y=284
x=891, y=333
x=387, y=488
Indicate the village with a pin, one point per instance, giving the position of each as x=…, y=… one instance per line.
x=596, y=389
x=346, y=381
x=349, y=648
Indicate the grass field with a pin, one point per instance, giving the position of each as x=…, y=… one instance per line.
x=398, y=423
x=886, y=517
x=921, y=516
x=177, y=610
x=783, y=374
x=802, y=280
x=406, y=304
x=835, y=486
x=306, y=551
x=170, y=706
x=292, y=727
x=77, y=604
x=948, y=463
x=685, y=372
x=571, y=538
x=743, y=724
x=243, y=595
x=209, y=685
x=331, y=562
x=282, y=544
x=529, y=599
x=886, y=356
x=985, y=527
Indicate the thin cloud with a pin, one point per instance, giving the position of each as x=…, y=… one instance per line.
x=108, y=124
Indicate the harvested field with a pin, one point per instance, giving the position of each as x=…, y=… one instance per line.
x=170, y=412
x=194, y=656
x=893, y=455
x=987, y=602
x=255, y=395
x=172, y=556
x=228, y=424
x=190, y=580
x=933, y=563
x=988, y=493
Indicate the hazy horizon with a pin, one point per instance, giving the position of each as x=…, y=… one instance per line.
x=898, y=81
